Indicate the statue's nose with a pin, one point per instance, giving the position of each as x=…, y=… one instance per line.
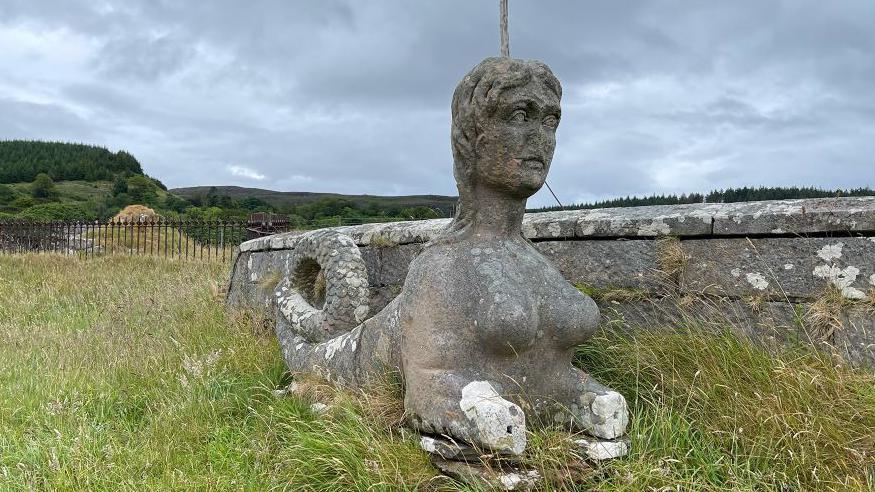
x=537, y=136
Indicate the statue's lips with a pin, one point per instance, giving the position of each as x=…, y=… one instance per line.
x=533, y=164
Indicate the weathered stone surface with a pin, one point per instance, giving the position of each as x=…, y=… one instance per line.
x=262, y=266
x=661, y=220
x=237, y=285
x=388, y=265
x=319, y=408
x=796, y=216
x=371, y=257
x=797, y=268
x=505, y=478
x=447, y=449
x=394, y=263
x=340, y=302
x=382, y=296
x=770, y=324
x=491, y=321
x=700, y=276
x=609, y=264
x=603, y=449
x=855, y=340
x=254, y=276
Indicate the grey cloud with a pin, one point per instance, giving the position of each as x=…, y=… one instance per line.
x=19, y=119
x=353, y=96
x=144, y=58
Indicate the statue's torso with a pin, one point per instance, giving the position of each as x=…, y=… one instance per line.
x=495, y=298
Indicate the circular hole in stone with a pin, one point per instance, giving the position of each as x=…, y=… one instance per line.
x=309, y=280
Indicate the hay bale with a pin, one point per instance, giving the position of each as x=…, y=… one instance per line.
x=135, y=213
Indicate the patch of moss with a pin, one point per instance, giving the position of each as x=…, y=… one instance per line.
x=610, y=293
x=382, y=242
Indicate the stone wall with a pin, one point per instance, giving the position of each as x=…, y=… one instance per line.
x=787, y=271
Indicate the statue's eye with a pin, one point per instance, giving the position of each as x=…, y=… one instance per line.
x=551, y=122
x=518, y=116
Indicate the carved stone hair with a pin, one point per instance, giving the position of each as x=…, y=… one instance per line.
x=476, y=97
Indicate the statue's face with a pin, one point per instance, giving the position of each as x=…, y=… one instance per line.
x=516, y=143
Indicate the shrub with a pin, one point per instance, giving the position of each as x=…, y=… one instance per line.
x=43, y=187
x=58, y=211
x=21, y=203
x=141, y=188
x=7, y=194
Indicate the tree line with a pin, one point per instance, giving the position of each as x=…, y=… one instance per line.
x=22, y=160
x=323, y=211
x=728, y=195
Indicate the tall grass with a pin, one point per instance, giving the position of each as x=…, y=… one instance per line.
x=716, y=412
x=127, y=373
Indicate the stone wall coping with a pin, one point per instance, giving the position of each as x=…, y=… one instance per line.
x=764, y=218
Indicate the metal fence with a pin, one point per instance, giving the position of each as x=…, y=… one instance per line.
x=192, y=239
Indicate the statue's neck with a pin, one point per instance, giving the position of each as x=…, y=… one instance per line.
x=496, y=215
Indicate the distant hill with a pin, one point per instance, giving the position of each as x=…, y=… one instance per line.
x=290, y=199
x=71, y=181
x=22, y=160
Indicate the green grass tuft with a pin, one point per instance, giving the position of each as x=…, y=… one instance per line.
x=715, y=412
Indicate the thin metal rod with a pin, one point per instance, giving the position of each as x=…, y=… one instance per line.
x=554, y=195
x=505, y=42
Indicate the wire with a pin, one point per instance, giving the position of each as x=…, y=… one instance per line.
x=554, y=195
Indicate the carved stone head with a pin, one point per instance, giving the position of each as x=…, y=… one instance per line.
x=504, y=118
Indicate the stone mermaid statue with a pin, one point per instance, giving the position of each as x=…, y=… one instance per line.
x=484, y=329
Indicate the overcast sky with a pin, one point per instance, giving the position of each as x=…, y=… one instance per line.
x=353, y=96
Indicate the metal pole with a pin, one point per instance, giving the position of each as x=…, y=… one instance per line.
x=505, y=42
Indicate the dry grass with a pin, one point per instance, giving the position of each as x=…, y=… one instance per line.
x=755, y=302
x=825, y=315
x=672, y=258
x=716, y=412
x=270, y=280
x=613, y=294
x=870, y=300
x=128, y=374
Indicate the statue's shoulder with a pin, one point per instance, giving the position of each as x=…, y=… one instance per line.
x=435, y=257
x=440, y=263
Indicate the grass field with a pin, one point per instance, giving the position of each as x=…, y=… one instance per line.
x=127, y=373
x=73, y=191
